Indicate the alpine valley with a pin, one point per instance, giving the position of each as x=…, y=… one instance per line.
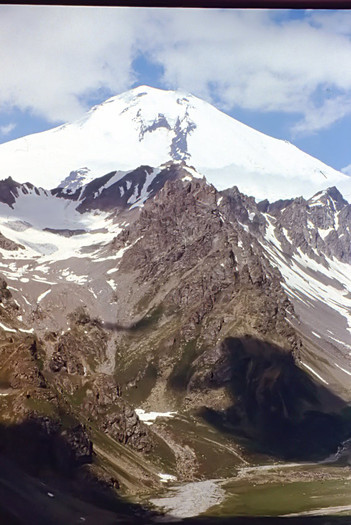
x=175, y=318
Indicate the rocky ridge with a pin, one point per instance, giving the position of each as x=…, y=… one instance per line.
x=198, y=300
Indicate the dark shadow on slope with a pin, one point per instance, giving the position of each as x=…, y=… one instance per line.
x=277, y=408
x=34, y=489
x=144, y=323
x=45, y=479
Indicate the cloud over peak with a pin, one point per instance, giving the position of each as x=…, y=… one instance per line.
x=53, y=59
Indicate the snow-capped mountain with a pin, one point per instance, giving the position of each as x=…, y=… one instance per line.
x=148, y=126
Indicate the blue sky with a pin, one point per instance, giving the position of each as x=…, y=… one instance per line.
x=284, y=72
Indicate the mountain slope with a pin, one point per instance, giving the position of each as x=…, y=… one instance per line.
x=148, y=126
x=158, y=331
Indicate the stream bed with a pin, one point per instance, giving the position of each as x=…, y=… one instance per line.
x=289, y=489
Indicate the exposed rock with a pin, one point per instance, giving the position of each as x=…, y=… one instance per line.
x=7, y=244
x=124, y=425
x=203, y=265
x=114, y=416
x=80, y=348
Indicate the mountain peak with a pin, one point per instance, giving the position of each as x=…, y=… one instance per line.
x=328, y=197
x=150, y=126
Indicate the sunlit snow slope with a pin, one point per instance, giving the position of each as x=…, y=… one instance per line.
x=148, y=126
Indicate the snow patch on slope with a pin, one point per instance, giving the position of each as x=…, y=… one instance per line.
x=311, y=283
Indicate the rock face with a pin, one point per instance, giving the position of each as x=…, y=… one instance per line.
x=7, y=244
x=318, y=226
x=124, y=425
x=10, y=190
x=77, y=354
x=190, y=308
x=201, y=276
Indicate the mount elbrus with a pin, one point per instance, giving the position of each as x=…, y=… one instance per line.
x=156, y=324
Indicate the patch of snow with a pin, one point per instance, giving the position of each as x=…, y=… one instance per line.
x=115, y=178
x=165, y=478
x=144, y=191
x=306, y=285
x=113, y=270
x=6, y=328
x=343, y=369
x=244, y=226
x=69, y=276
x=26, y=300
x=340, y=342
x=48, y=211
x=118, y=254
x=149, y=417
x=270, y=235
x=222, y=218
x=324, y=233
x=113, y=285
x=44, y=294
x=134, y=197
x=314, y=373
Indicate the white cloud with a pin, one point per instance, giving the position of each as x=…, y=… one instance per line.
x=7, y=128
x=51, y=58
x=347, y=170
x=323, y=117
x=250, y=60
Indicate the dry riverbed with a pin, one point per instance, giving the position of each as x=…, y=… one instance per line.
x=289, y=489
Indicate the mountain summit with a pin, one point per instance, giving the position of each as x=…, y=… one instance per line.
x=148, y=126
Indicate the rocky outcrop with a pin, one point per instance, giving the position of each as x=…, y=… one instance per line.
x=136, y=186
x=7, y=244
x=196, y=253
x=319, y=226
x=82, y=347
x=103, y=403
x=124, y=425
x=78, y=352
x=10, y=190
x=5, y=294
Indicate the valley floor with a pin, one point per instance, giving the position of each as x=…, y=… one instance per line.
x=283, y=490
